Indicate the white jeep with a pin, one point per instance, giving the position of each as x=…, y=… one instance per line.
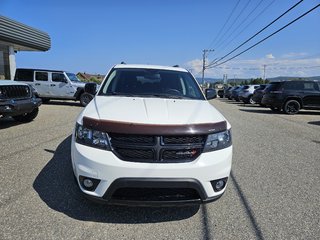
x=150, y=137
x=54, y=84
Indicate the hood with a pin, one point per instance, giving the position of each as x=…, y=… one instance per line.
x=151, y=110
x=78, y=84
x=11, y=82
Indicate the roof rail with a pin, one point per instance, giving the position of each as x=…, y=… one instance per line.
x=175, y=66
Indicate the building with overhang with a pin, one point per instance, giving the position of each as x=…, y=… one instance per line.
x=14, y=37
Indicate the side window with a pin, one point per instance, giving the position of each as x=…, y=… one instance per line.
x=58, y=77
x=24, y=75
x=309, y=86
x=41, y=76
x=292, y=85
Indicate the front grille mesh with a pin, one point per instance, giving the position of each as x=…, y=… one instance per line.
x=135, y=139
x=157, y=149
x=15, y=92
x=183, y=139
x=143, y=154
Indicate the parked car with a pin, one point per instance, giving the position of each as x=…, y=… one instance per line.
x=235, y=93
x=246, y=93
x=151, y=137
x=18, y=100
x=291, y=96
x=258, y=94
x=53, y=84
x=228, y=92
x=221, y=93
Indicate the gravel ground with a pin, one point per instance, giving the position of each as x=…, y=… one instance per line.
x=273, y=192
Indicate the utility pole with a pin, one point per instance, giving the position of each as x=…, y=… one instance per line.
x=264, y=73
x=204, y=56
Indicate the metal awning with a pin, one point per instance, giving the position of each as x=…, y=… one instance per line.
x=23, y=37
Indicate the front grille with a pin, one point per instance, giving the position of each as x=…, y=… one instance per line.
x=134, y=139
x=15, y=92
x=155, y=194
x=157, y=149
x=181, y=154
x=142, y=154
x=183, y=139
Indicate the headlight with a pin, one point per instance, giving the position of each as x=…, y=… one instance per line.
x=218, y=141
x=91, y=137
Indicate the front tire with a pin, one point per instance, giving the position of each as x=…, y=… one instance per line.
x=85, y=98
x=291, y=107
x=27, y=117
x=250, y=100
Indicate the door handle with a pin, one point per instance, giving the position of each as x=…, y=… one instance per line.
x=52, y=85
x=37, y=84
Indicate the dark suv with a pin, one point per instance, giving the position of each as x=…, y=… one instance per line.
x=18, y=100
x=291, y=96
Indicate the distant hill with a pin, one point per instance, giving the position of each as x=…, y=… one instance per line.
x=275, y=79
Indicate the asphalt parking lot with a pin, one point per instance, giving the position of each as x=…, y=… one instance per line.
x=273, y=191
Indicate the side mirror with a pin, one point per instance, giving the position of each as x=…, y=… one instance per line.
x=211, y=93
x=90, y=88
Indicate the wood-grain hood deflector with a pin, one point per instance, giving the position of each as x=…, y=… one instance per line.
x=153, y=129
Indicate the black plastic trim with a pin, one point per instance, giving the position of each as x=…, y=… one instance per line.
x=154, y=183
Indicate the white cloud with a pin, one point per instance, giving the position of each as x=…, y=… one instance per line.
x=269, y=56
x=294, y=55
x=253, y=68
x=195, y=66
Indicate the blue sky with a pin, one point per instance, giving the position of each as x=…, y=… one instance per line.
x=92, y=36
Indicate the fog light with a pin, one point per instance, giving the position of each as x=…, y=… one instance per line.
x=87, y=183
x=219, y=184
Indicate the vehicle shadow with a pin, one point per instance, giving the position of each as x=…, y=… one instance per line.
x=315, y=123
x=56, y=187
x=262, y=111
x=268, y=111
x=63, y=103
x=8, y=122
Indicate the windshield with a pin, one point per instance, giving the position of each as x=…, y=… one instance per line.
x=73, y=77
x=151, y=83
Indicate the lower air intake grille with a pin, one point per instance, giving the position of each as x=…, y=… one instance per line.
x=155, y=194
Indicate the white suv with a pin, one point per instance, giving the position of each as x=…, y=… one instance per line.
x=54, y=84
x=150, y=137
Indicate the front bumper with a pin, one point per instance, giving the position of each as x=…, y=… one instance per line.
x=17, y=107
x=115, y=174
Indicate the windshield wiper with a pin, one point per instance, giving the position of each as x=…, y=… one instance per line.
x=122, y=94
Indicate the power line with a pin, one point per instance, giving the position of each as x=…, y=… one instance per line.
x=234, y=21
x=218, y=64
x=212, y=63
x=221, y=29
x=243, y=29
